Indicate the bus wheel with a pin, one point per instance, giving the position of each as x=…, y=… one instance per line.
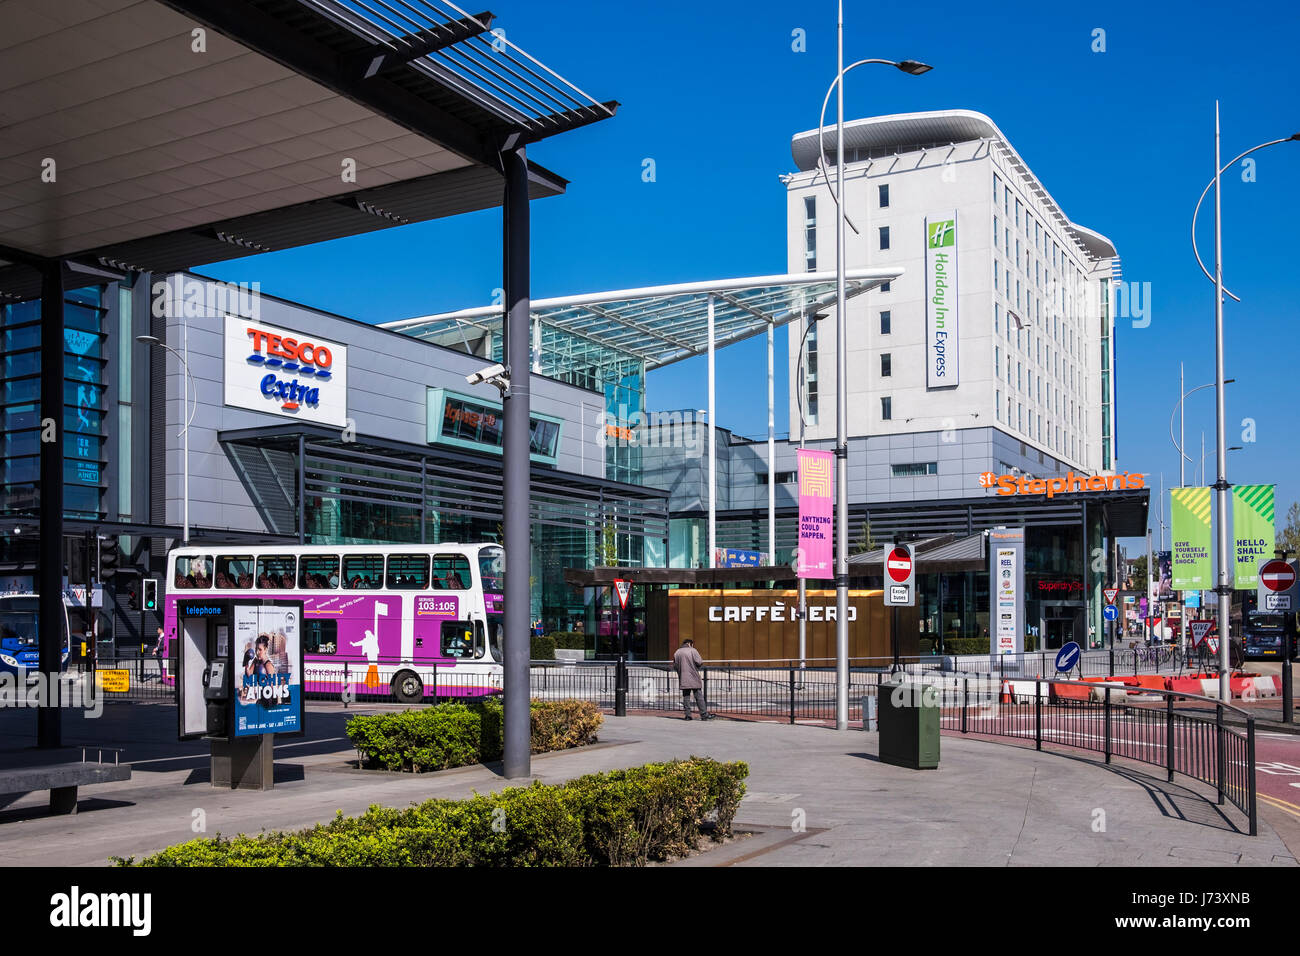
x=408, y=688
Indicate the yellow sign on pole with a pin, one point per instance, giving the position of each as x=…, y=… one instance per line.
x=114, y=682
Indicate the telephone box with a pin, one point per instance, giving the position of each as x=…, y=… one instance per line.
x=240, y=682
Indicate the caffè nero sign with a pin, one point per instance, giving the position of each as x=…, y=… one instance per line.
x=774, y=612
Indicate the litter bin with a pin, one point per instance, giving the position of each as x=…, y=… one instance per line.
x=909, y=725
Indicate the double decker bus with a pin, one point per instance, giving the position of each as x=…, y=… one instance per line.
x=1262, y=633
x=404, y=620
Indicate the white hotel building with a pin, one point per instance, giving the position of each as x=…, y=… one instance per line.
x=1032, y=349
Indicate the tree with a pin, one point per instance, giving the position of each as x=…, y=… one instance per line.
x=864, y=541
x=607, y=549
x=1289, y=537
x=1137, y=574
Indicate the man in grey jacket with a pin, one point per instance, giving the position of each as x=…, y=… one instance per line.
x=687, y=663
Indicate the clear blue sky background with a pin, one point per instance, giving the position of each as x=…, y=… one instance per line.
x=713, y=92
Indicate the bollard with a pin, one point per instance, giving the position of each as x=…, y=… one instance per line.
x=620, y=687
x=1038, y=715
x=1221, y=748
x=1169, y=736
x=792, y=695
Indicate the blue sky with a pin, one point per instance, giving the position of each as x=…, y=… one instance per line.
x=1123, y=139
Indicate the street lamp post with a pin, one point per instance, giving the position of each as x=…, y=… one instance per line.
x=189, y=418
x=913, y=68
x=1223, y=587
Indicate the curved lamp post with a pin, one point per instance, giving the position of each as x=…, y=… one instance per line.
x=189, y=418
x=914, y=68
x=1223, y=588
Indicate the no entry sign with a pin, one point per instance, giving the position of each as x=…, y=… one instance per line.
x=1277, y=576
x=900, y=576
x=1277, y=590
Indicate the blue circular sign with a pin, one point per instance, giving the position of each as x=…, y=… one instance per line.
x=1111, y=613
x=1068, y=656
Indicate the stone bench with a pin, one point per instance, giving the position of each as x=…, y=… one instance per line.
x=61, y=779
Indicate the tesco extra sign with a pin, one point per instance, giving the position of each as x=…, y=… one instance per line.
x=284, y=372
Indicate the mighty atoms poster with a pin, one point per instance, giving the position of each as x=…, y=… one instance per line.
x=1189, y=510
x=268, y=683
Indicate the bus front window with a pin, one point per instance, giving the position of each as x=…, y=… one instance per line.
x=492, y=568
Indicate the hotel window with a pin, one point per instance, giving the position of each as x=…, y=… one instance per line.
x=884, y=287
x=1006, y=200
x=915, y=469
x=997, y=403
x=1020, y=418
x=884, y=322
x=995, y=275
x=810, y=232
x=1017, y=213
x=886, y=365
x=1006, y=240
x=996, y=183
x=1017, y=293
x=1017, y=253
x=884, y=237
x=997, y=361
x=886, y=408
x=995, y=305
x=884, y=196
x=995, y=232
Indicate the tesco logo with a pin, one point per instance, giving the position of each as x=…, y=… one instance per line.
x=290, y=355
x=287, y=354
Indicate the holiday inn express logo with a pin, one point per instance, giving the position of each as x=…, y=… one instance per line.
x=942, y=233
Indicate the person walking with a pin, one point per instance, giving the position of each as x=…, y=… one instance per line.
x=687, y=663
x=159, y=651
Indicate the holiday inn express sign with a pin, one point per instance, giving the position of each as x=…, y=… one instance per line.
x=941, y=357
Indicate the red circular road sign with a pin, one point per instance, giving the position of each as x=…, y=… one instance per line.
x=899, y=565
x=1277, y=576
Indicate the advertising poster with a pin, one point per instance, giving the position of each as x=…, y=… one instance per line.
x=816, y=494
x=1189, y=511
x=268, y=687
x=941, y=359
x=1253, y=538
x=1165, y=575
x=1007, y=588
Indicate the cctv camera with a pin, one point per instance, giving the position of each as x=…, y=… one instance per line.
x=487, y=375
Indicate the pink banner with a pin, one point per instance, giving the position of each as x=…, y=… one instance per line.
x=816, y=494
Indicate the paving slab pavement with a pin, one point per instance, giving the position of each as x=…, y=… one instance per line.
x=988, y=803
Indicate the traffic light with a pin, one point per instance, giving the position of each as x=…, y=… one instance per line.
x=133, y=598
x=109, y=558
x=150, y=588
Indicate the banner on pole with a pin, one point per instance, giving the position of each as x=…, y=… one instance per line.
x=1189, y=511
x=816, y=497
x=1252, y=533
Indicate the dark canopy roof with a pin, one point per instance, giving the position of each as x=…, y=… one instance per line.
x=155, y=136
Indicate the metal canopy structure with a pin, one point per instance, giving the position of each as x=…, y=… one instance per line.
x=155, y=136
x=660, y=325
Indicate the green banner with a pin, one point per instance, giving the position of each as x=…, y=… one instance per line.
x=1252, y=533
x=1189, y=513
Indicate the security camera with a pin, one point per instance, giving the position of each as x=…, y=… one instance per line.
x=497, y=375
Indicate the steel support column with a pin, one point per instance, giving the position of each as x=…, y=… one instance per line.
x=515, y=461
x=49, y=578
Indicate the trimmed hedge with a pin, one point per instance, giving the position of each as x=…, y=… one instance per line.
x=455, y=735
x=619, y=818
x=569, y=640
x=541, y=647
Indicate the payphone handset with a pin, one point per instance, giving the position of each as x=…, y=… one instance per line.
x=214, y=681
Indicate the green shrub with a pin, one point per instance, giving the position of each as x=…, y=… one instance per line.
x=965, y=645
x=569, y=640
x=541, y=647
x=454, y=735
x=620, y=818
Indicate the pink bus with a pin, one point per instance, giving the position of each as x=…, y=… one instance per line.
x=404, y=620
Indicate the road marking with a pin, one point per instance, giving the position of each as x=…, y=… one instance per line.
x=1282, y=805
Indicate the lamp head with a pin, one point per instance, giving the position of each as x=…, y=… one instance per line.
x=914, y=67
x=148, y=339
